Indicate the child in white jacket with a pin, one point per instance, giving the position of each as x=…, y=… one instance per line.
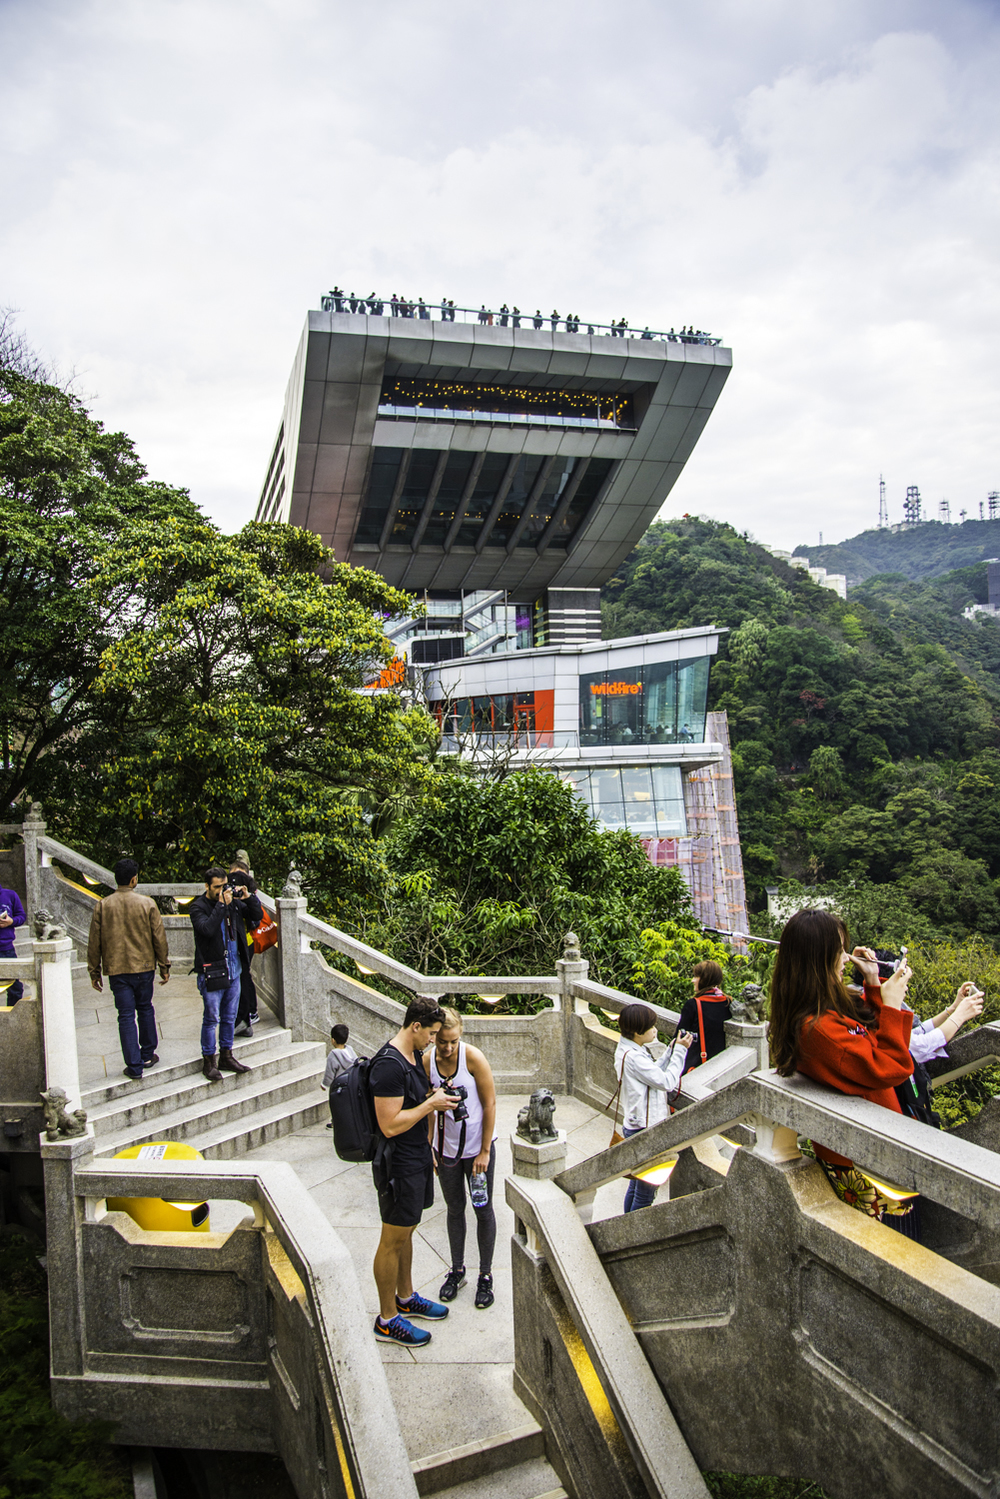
x=646, y=1084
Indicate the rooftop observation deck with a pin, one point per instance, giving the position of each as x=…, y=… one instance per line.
x=447, y=312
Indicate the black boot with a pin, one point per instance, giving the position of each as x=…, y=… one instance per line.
x=210, y=1070
x=228, y=1063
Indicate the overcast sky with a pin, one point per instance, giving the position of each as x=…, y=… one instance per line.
x=816, y=182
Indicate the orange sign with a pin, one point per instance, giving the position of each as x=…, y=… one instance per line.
x=393, y=676
x=616, y=689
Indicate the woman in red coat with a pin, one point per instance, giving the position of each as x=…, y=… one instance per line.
x=858, y=1046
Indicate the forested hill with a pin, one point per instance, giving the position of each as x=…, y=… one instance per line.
x=923, y=551
x=866, y=733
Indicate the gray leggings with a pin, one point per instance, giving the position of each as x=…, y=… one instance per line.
x=453, y=1177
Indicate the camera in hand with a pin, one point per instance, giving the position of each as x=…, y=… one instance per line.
x=461, y=1093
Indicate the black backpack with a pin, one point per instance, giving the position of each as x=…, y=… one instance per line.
x=356, y=1135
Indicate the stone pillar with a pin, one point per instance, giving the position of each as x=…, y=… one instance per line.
x=54, y=977
x=32, y=829
x=538, y=1163
x=740, y=1033
x=775, y=1142
x=572, y=969
x=63, y=1216
x=290, y=940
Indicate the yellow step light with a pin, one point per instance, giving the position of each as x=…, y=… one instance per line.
x=890, y=1189
x=655, y=1176
x=156, y=1213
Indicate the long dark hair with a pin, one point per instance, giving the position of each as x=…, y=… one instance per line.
x=805, y=983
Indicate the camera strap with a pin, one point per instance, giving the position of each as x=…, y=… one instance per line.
x=461, y=1141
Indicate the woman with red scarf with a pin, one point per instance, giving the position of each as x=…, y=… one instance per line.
x=705, y=1015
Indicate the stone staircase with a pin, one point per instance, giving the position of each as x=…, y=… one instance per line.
x=509, y=1466
x=222, y=1120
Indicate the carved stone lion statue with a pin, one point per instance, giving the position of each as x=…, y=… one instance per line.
x=293, y=886
x=45, y=928
x=57, y=1121
x=534, y=1121
x=749, y=1005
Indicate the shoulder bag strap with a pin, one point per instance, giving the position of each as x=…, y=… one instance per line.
x=701, y=1029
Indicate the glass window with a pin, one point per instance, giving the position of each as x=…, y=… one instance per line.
x=662, y=703
x=452, y=487
x=448, y=399
x=647, y=800
x=598, y=470
x=517, y=497
x=378, y=496
x=555, y=482
x=482, y=497
x=416, y=487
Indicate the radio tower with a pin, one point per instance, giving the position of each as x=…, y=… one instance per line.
x=911, y=506
x=944, y=513
x=883, y=505
x=993, y=502
x=961, y=515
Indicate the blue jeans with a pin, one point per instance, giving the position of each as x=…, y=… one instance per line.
x=133, y=994
x=639, y=1194
x=220, y=1010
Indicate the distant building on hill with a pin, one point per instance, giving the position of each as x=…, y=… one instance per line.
x=835, y=581
x=993, y=585
x=502, y=474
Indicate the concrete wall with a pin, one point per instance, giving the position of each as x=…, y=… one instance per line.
x=254, y=1339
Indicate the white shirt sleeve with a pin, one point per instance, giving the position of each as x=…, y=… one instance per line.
x=927, y=1042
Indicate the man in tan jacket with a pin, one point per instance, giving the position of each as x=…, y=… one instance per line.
x=127, y=940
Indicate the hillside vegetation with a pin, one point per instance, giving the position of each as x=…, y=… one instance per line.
x=866, y=734
x=924, y=551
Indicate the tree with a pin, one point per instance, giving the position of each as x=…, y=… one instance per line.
x=487, y=876
x=227, y=710
x=68, y=491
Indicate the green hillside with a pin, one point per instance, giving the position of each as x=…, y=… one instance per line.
x=866, y=734
x=924, y=551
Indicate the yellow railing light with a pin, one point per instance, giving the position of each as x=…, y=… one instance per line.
x=362, y=969
x=890, y=1189
x=655, y=1176
x=90, y=881
x=492, y=999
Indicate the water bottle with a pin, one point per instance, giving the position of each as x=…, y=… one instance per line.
x=478, y=1190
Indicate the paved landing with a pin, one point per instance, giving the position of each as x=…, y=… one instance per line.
x=178, y=1024
x=460, y=1388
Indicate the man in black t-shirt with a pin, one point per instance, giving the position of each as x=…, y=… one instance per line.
x=404, y=1171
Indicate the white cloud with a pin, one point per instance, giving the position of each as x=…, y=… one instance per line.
x=816, y=183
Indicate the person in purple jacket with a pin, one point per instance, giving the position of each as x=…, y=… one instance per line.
x=11, y=916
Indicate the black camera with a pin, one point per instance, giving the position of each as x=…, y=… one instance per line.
x=461, y=1093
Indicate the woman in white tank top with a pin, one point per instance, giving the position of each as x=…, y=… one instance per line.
x=465, y=1149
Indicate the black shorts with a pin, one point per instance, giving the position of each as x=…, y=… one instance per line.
x=406, y=1196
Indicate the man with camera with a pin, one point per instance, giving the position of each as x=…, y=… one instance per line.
x=403, y=1170
x=220, y=918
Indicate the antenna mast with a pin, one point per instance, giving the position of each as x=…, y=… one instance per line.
x=911, y=506
x=883, y=505
x=944, y=513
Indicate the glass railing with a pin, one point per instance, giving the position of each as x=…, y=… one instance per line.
x=448, y=414
x=506, y=317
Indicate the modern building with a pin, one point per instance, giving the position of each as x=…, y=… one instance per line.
x=501, y=474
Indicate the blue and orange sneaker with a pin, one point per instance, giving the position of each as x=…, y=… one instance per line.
x=419, y=1306
x=398, y=1330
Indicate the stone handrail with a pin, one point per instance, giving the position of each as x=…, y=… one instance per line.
x=893, y=1148
x=409, y=978
x=56, y=850
x=615, y=1000
x=329, y=1350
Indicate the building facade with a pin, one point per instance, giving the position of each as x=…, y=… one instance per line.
x=501, y=474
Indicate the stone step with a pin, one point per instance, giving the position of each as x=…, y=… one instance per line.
x=158, y=1096
x=262, y=1041
x=451, y=1471
x=233, y=1111
x=534, y=1479
x=260, y=1127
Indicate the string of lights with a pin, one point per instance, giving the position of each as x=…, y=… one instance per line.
x=508, y=400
